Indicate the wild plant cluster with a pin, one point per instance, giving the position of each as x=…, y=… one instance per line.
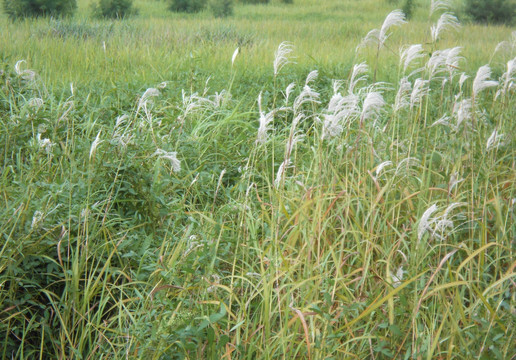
x=368, y=219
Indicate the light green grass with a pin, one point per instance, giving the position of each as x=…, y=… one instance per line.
x=108, y=252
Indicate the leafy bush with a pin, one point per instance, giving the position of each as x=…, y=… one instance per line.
x=255, y=1
x=34, y=8
x=492, y=11
x=408, y=8
x=221, y=8
x=189, y=6
x=115, y=9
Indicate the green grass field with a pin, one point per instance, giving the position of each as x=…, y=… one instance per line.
x=163, y=197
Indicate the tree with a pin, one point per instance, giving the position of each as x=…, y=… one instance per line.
x=34, y=8
x=492, y=11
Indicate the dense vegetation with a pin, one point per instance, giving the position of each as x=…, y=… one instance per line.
x=220, y=192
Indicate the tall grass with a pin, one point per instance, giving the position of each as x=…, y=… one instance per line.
x=270, y=212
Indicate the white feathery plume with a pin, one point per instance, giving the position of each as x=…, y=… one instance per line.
x=281, y=56
x=462, y=80
x=410, y=54
x=419, y=90
x=281, y=171
x=446, y=22
x=36, y=103
x=508, y=77
x=311, y=77
x=265, y=120
x=331, y=126
x=171, y=156
x=443, y=120
x=481, y=81
x=357, y=75
x=379, y=36
x=453, y=59
x=45, y=144
x=372, y=106
x=26, y=74
x=454, y=181
x=288, y=91
x=425, y=222
x=308, y=95
x=37, y=217
x=340, y=110
x=146, y=97
x=395, y=18
x=450, y=207
x=235, y=54
x=95, y=144
x=436, y=63
x=401, y=101
x=494, y=140
x=337, y=84
x=380, y=167
x=406, y=165
x=438, y=5
x=462, y=111
x=397, y=278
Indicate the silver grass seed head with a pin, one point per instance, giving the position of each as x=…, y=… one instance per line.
x=311, y=77
x=481, y=81
x=397, y=278
x=420, y=89
x=493, y=142
x=357, y=75
x=281, y=56
x=395, y=18
x=446, y=22
x=439, y=5
x=235, y=54
x=404, y=89
x=170, y=156
x=410, y=54
x=372, y=105
x=425, y=221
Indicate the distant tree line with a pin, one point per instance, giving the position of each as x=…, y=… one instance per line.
x=116, y=8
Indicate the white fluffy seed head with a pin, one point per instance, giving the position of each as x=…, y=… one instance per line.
x=425, y=221
x=438, y=5
x=95, y=144
x=372, y=105
x=281, y=56
x=410, y=54
x=481, y=81
x=446, y=22
x=170, y=156
x=235, y=54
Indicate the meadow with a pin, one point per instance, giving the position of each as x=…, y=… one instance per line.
x=286, y=183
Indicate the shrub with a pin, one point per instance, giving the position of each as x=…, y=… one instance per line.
x=408, y=8
x=189, y=6
x=115, y=9
x=492, y=11
x=255, y=1
x=34, y=8
x=221, y=8
x=287, y=1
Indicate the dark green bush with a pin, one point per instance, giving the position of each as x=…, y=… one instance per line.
x=221, y=8
x=189, y=6
x=34, y=8
x=492, y=11
x=114, y=9
x=255, y=1
x=408, y=8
